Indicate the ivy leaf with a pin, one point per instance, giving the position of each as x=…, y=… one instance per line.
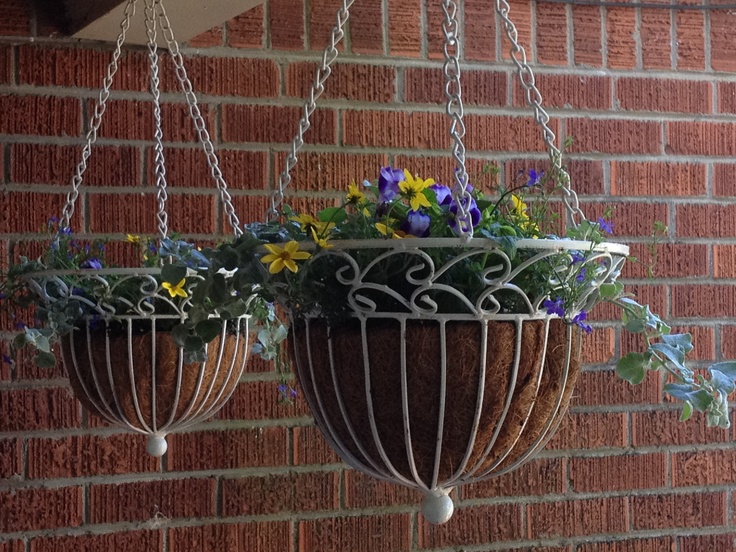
x=721, y=381
x=727, y=368
x=235, y=310
x=45, y=360
x=332, y=214
x=699, y=399
x=683, y=342
x=173, y=274
x=179, y=334
x=609, y=291
x=632, y=368
x=208, y=330
x=193, y=344
x=674, y=355
x=687, y=411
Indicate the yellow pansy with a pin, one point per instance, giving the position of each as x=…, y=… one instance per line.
x=306, y=222
x=176, y=290
x=412, y=188
x=133, y=239
x=321, y=241
x=519, y=207
x=355, y=196
x=388, y=231
x=280, y=258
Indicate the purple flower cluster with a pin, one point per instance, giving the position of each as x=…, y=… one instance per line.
x=557, y=307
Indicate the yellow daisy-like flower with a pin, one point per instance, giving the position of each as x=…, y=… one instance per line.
x=307, y=222
x=355, y=196
x=280, y=258
x=412, y=188
x=518, y=207
x=133, y=239
x=175, y=290
x=388, y=231
x=321, y=241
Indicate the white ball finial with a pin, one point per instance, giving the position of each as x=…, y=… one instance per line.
x=438, y=508
x=157, y=445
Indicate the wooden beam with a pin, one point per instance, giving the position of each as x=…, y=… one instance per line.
x=100, y=19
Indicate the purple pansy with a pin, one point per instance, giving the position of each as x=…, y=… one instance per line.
x=92, y=263
x=473, y=211
x=605, y=226
x=579, y=320
x=388, y=183
x=443, y=193
x=416, y=224
x=555, y=307
x=534, y=177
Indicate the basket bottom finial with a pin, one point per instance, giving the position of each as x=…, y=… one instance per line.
x=438, y=507
x=156, y=445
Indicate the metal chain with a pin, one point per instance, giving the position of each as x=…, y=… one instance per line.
x=323, y=72
x=534, y=100
x=199, y=123
x=159, y=163
x=94, y=126
x=455, y=111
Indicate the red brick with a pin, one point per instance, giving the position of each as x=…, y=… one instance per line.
x=208, y=39
x=289, y=492
x=247, y=123
x=569, y=91
x=80, y=68
x=618, y=473
x=698, y=543
x=389, y=533
x=726, y=97
x=251, y=209
x=621, y=43
x=37, y=509
x=232, y=77
x=471, y=526
x=709, y=301
x=395, y=129
x=721, y=41
x=674, y=260
x=269, y=536
x=614, y=136
x=630, y=219
x=480, y=27
x=427, y=85
x=656, y=39
x=247, y=29
x=664, y=95
x=87, y=455
x=690, y=40
x=521, y=14
x=260, y=400
x=724, y=179
x=577, y=518
x=46, y=164
x=227, y=449
x=704, y=345
x=590, y=431
x=16, y=18
x=606, y=388
x=705, y=467
x=364, y=491
x=36, y=219
x=657, y=179
x=13, y=546
x=322, y=16
x=356, y=82
x=655, y=544
x=40, y=116
x=700, y=138
x=442, y=169
x=310, y=447
x=503, y=133
x=728, y=342
x=551, y=34
x=660, y=428
x=598, y=346
x=11, y=458
x=404, y=28
x=678, y=511
x=6, y=53
x=144, y=500
x=286, y=23
x=587, y=36
x=366, y=27
x=150, y=541
x=435, y=37
x=37, y=409
x=318, y=172
x=539, y=477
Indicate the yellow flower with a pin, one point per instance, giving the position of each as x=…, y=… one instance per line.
x=519, y=207
x=355, y=196
x=307, y=222
x=133, y=239
x=412, y=188
x=176, y=290
x=388, y=231
x=284, y=258
x=321, y=241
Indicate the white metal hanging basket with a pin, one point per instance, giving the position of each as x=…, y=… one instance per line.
x=441, y=389
x=122, y=361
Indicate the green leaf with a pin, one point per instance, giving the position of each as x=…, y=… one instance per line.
x=674, y=355
x=632, y=368
x=727, y=368
x=721, y=381
x=20, y=341
x=635, y=325
x=699, y=399
x=236, y=309
x=173, y=274
x=332, y=214
x=683, y=342
x=179, y=334
x=208, y=329
x=687, y=411
x=609, y=291
x=193, y=344
x=45, y=360
x=42, y=344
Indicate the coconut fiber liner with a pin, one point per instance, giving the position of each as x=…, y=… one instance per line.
x=167, y=363
x=423, y=351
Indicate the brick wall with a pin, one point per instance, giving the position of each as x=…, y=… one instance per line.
x=649, y=98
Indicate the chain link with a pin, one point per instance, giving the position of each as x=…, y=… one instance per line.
x=94, y=126
x=323, y=72
x=199, y=123
x=453, y=92
x=159, y=162
x=534, y=100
